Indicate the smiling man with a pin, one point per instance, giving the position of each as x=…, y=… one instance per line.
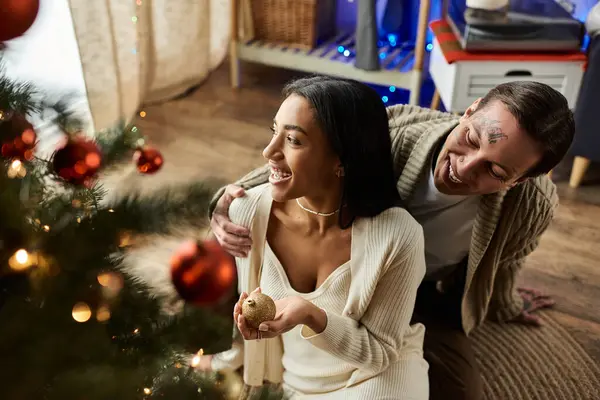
x=478, y=186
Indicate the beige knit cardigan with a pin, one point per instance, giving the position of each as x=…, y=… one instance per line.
x=374, y=330
x=507, y=227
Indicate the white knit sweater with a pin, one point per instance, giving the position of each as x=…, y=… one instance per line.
x=373, y=333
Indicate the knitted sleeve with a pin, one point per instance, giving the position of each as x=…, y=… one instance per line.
x=241, y=212
x=535, y=210
x=376, y=340
x=416, y=113
x=407, y=125
x=254, y=178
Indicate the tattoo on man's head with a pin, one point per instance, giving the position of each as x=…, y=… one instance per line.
x=491, y=129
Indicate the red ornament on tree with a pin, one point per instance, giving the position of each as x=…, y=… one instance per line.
x=16, y=17
x=202, y=272
x=78, y=161
x=148, y=160
x=17, y=137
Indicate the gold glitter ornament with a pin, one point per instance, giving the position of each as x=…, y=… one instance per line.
x=258, y=308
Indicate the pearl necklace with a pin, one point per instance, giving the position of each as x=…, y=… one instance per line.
x=316, y=212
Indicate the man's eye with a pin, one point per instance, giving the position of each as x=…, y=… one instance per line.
x=468, y=137
x=496, y=175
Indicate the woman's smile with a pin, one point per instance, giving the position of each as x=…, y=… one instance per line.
x=279, y=175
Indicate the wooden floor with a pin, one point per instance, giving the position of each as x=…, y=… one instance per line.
x=216, y=132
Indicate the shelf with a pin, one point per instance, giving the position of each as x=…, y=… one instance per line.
x=396, y=62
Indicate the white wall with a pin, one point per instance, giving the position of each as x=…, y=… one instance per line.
x=48, y=57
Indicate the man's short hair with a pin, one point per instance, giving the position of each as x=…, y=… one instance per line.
x=543, y=113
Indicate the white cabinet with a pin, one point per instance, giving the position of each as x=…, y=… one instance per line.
x=462, y=82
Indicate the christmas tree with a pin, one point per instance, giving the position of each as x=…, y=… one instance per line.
x=75, y=323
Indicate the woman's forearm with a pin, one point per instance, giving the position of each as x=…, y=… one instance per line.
x=317, y=320
x=375, y=341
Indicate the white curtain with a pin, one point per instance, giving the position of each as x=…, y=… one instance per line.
x=141, y=51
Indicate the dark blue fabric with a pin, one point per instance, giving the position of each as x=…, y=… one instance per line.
x=587, y=110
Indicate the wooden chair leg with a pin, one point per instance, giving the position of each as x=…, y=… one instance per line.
x=580, y=166
x=435, y=100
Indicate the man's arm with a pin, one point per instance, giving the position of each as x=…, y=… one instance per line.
x=235, y=239
x=399, y=116
x=406, y=124
x=254, y=178
x=506, y=304
x=404, y=114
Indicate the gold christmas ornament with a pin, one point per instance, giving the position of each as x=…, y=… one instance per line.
x=258, y=308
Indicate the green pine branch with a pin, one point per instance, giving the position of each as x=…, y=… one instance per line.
x=118, y=143
x=183, y=204
x=73, y=235
x=139, y=341
x=16, y=96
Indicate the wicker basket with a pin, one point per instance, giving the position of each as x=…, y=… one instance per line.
x=294, y=23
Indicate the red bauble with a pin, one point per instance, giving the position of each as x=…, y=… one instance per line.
x=17, y=138
x=148, y=160
x=202, y=272
x=16, y=17
x=78, y=161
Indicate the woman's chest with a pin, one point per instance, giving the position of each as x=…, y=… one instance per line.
x=331, y=295
x=308, y=262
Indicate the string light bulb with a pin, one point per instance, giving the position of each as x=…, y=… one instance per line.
x=125, y=239
x=16, y=169
x=103, y=313
x=20, y=260
x=22, y=256
x=111, y=283
x=196, y=359
x=81, y=312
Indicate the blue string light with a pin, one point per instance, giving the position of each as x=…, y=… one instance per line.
x=392, y=89
x=393, y=39
x=384, y=98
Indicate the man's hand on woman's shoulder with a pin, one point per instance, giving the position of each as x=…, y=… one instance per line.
x=235, y=239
